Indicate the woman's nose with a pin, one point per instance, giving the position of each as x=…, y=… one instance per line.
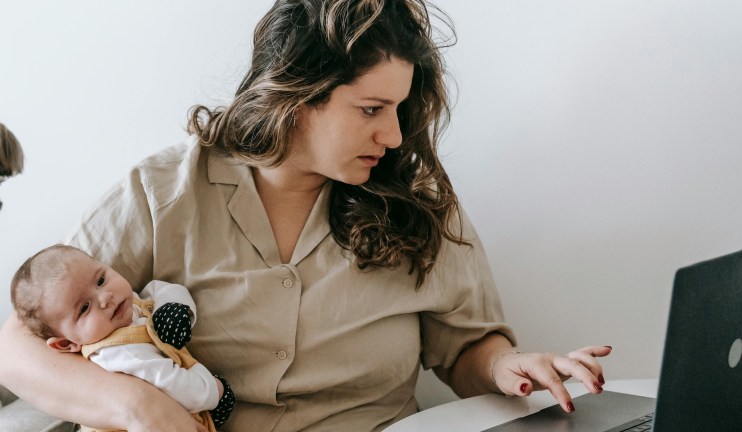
x=390, y=135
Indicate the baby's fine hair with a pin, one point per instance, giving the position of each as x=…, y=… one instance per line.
x=28, y=287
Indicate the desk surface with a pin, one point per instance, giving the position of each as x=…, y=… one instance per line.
x=482, y=412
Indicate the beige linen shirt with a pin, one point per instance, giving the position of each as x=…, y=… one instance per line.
x=315, y=344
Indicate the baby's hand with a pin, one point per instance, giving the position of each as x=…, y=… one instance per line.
x=172, y=323
x=220, y=414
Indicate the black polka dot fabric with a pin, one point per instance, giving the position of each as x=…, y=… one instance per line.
x=172, y=323
x=221, y=413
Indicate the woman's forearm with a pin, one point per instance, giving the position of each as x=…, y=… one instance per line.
x=65, y=385
x=471, y=375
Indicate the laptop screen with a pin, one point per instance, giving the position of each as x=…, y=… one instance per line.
x=701, y=380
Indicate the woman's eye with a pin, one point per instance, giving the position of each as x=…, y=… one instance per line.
x=101, y=280
x=370, y=110
x=84, y=308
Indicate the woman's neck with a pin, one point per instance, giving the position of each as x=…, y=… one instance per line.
x=285, y=181
x=288, y=200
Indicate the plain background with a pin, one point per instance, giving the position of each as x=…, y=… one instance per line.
x=596, y=145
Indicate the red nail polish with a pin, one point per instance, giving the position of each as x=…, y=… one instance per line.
x=570, y=406
x=523, y=387
x=601, y=380
x=598, y=387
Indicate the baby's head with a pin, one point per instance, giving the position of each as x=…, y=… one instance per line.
x=65, y=296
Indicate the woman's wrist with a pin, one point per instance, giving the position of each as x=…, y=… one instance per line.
x=472, y=374
x=135, y=399
x=493, y=366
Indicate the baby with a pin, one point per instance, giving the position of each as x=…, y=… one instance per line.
x=79, y=304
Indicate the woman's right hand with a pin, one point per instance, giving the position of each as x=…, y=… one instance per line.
x=169, y=424
x=154, y=411
x=67, y=386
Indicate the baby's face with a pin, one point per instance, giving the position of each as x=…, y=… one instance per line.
x=89, y=302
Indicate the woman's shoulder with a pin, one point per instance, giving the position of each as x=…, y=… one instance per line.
x=460, y=227
x=186, y=152
x=171, y=171
x=461, y=254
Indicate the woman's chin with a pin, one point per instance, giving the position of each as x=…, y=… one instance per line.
x=354, y=179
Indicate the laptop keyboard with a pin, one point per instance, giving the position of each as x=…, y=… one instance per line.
x=641, y=424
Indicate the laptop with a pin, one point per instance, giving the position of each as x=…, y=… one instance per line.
x=700, y=386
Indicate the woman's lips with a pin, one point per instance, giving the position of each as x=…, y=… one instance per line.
x=371, y=161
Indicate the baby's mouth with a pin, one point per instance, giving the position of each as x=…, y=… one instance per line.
x=119, y=309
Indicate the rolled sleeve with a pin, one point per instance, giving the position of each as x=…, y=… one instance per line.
x=469, y=305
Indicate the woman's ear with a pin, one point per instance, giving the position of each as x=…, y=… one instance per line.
x=298, y=112
x=63, y=345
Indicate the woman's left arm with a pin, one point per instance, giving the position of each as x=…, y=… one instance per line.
x=492, y=365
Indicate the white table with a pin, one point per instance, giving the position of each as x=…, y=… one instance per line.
x=481, y=412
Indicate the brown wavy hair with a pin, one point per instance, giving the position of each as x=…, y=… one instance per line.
x=302, y=51
x=11, y=153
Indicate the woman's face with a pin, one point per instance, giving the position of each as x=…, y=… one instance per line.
x=344, y=138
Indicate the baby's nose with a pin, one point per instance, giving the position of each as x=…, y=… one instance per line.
x=105, y=298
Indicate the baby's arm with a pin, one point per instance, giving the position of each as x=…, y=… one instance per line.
x=81, y=392
x=164, y=292
x=175, y=312
x=195, y=388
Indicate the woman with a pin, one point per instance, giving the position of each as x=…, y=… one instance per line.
x=320, y=237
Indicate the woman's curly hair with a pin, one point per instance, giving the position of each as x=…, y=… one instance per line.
x=303, y=50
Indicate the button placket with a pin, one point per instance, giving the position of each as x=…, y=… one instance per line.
x=291, y=279
x=291, y=282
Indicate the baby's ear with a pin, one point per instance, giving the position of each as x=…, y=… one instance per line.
x=62, y=344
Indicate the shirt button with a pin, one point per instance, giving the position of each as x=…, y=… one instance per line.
x=288, y=283
x=281, y=355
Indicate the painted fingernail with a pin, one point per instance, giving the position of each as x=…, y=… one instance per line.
x=598, y=387
x=608, y=346
x=601, y=380
x=523, y=388
x=570, y=406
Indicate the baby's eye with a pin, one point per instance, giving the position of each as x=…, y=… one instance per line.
x=101, y=280
x=84, y=308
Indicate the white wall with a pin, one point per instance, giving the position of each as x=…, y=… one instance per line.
x=597, y=145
